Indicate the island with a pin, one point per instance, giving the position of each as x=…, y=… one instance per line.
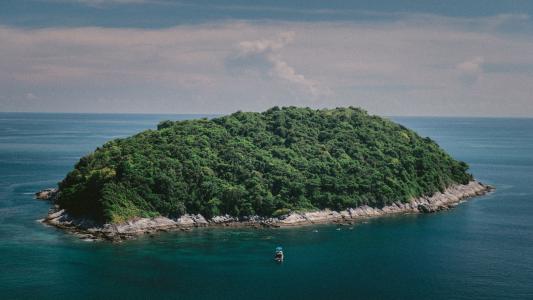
x=282, y=167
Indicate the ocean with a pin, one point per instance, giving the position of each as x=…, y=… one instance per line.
x=483, y=249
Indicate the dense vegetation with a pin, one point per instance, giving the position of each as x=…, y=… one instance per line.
x=259, y=163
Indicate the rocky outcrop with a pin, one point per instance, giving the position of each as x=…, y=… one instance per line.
x=46, y=194
x=88, y=229
x=225, y=219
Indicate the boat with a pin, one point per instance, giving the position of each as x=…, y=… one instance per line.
x=278, y=256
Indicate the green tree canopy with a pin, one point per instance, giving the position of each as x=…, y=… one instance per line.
x=259, y=163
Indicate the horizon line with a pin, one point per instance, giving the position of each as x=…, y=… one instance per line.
x=224, y=114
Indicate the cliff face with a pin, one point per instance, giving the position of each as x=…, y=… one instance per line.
x=264, y=164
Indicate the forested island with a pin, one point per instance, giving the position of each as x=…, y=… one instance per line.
x=261, y=168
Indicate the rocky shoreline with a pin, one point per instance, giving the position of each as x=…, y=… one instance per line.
x=89, y=230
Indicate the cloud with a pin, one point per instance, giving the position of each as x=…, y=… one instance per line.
x=266, y=45
x=415, y=65
x=268, y=50
x=471, y=70
x=31, y=96
x=473, y=65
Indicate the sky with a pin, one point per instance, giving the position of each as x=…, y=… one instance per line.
x=397, y=57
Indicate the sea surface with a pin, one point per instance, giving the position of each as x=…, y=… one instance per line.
x=483, y=249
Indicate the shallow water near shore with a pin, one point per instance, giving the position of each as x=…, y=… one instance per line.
x=483, y=249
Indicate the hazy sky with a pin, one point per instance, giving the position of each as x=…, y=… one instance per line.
x=468, y=58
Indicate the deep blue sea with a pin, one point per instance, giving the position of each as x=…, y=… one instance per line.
x=483, y=249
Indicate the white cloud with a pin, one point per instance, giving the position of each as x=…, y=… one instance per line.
x=269, y=50
x=471, y=70
x=473, y=65
x=31, y=96
x=266, y=45
x=416, y=65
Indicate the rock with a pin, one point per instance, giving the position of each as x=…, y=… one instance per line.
x=185, y=220
x=355, y=213
x=399, y=205
x=118, y=232
x=141, y=226
x=46, y=194
x=345, y=214
x=55, y=215
x=370, y=211
x=366, y=211
x=199, y=220
x=425, y=208
x=293, y=219
x=322, y=216
x=222, y=219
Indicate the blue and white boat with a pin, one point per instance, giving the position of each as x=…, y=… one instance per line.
x=278, y=256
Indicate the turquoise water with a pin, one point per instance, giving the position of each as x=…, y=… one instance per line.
x=483, y=249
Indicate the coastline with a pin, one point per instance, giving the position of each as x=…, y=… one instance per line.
x=87, y=229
